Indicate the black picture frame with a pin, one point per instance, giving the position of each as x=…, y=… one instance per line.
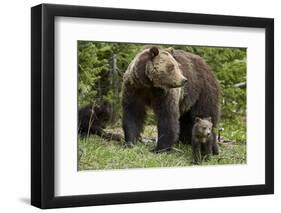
x=43, y=102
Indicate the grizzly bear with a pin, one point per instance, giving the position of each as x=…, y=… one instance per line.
x=178, y=86
x=94, y=118
x=202, y=138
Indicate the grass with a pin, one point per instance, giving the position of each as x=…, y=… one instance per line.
x=97, y=153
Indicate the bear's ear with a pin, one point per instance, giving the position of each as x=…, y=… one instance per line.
x=170, y=50
x=197, y=119
x=154, y=51
x=209, y=119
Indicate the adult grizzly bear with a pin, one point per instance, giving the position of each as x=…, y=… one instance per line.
x=178, y=86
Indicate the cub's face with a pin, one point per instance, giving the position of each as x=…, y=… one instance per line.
x=163, y=70
x=203, y=127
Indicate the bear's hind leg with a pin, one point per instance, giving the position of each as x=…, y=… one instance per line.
x=186, y=125
x=215, y=146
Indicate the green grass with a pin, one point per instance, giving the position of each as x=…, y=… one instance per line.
x=97, y=153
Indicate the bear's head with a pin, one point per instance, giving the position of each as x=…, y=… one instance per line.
x=163, y=70
x=156, y=67
x=202, y=127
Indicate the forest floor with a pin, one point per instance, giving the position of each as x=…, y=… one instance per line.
x=96, y=153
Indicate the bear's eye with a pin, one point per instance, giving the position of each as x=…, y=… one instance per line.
x=170, y=67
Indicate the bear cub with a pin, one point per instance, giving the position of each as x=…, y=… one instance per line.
x=202, y=138
x=93, y=119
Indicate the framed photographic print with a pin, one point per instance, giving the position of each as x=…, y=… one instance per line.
x=139, y=106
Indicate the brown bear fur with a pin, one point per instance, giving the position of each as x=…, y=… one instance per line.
x=93, y=119
x=177, y=85
x=202, y=138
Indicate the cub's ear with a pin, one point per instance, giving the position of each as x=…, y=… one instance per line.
x=209, y=119
x=170, y=50
x=197, y=119
x=154, y=51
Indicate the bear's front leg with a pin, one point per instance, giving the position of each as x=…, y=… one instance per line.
x=167, y=125
x=133, y=119
x=206, y=149
x=196, y=151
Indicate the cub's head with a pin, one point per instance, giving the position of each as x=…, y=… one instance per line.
x=202, y=127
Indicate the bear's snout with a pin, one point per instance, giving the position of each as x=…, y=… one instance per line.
x=178, y=84
x=183, y=81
